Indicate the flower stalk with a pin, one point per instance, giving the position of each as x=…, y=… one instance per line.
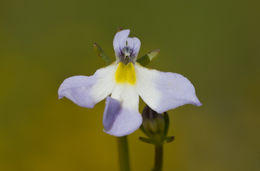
x=158, y=159
x=123, y=153
x=155, y=126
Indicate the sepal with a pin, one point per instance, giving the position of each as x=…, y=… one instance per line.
x=147, y=58
x=101, y=53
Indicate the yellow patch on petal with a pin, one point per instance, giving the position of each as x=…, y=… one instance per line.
x=125, y=73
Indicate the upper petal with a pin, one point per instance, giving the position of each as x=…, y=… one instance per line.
x=120, y=41
x=87, y=91
x=135, y=44
x=163, y=91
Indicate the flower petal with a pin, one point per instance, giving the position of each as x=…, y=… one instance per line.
x=127, y=95
x=87, y=91
x=121, y=116
x=134, y=44
x=119, y=41
x=163, y=91
x=119, y=120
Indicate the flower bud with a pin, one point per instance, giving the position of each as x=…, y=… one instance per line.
x=155, y=126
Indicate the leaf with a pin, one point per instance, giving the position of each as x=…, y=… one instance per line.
x=101, y=53
x=147, y=58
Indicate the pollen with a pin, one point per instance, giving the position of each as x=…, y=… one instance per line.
x=125, y=73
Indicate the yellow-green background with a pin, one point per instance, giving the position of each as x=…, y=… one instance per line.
x=216, y=44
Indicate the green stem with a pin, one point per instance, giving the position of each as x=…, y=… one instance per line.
x=123, y=153
x=158, y=160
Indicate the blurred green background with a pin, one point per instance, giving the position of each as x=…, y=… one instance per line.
x=213, y=43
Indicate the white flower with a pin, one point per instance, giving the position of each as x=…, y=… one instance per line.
x=122, y=83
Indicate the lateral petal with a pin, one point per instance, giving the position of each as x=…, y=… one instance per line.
x=163, y=91
x=87, y=91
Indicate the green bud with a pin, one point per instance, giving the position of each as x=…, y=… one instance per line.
x=155, y=126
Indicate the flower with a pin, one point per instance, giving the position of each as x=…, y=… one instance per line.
x=122, y=82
